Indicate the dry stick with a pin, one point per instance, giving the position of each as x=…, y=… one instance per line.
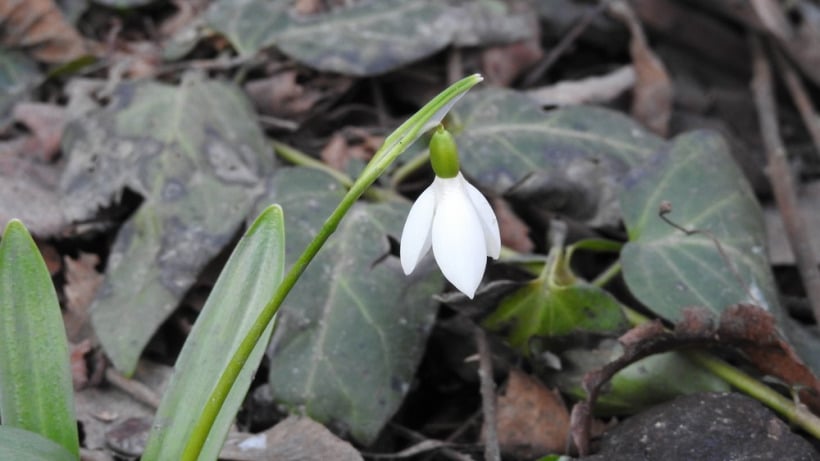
x=565, y=43
x=134, y=388
x=800, y=97
x=780, y=176
x=485, y=376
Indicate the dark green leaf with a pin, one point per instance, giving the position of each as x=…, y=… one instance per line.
x=22, y=445
x=570, y=160
x=246, y=284
x=353, y=329
x=668, y=270
x=36, y=393
x=196, y=155
x=369, y=37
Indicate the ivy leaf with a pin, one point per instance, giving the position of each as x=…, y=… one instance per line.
x=352, y=331
x=667, y=269
x=369, y=37
x=195, y=153
x=570, y=159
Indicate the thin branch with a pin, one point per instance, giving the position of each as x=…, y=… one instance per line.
x=780, y=175
x=800, y=97
x=485, y=375
x=564, y=44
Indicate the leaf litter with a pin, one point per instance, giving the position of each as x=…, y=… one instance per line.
x=135, y=181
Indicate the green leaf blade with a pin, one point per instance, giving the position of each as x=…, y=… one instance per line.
x=22, y=445
x=36, y=392
x=247, y=282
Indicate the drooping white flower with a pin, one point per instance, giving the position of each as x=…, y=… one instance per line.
x=453, y=218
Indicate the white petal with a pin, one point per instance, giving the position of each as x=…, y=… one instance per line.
x=415, y=237
x=458, y=239
x=489, y=223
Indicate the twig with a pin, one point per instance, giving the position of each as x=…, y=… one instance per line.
x=800, y=97
x=485, y=376
x=780, y=176
x=136, y=389
x=564, y=44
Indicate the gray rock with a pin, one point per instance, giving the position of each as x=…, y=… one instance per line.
x=704, y=427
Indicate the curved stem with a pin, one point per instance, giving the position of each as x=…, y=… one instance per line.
x=427, y=117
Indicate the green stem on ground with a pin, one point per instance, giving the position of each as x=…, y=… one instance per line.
x=794, y=413
x=426, y=118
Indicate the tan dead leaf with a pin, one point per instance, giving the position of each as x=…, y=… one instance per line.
x=334, y=154
x=503, y=64
x=515, y=233
x=82, y=282
x=79, y=369
x=40, y=27
x=295, y=438
x=652, y=96
x=51, y=257
x=282, y=95
x=532, y=420
x=307, y=7
x=46, y=122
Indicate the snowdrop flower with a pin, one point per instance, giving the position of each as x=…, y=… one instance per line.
x=453, y=218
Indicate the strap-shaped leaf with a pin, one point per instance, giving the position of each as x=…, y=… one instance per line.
x=36, y=393
x=245, y=285
x=21, y=445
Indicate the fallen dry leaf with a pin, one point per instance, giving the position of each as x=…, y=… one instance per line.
x=515, y=233
x=40, y=27
x=82, y=282
x=51, y=257
x=282, y=95
x=590, y=90
x=360, y=145
x=532, y=420
x=502, y=64
x=79, y=368
x=293, y=439
x=46, y=122
x=652, y=95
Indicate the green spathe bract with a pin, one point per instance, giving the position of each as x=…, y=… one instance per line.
x=36, y=393
x=444, y=153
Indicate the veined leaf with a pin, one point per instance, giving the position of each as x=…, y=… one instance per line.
x=569, y=160
x=353, y=329
x=195, y=153
x=667, y=269
x=244, y=287
x=36, y=393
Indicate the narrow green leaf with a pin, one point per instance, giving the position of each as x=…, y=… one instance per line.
x=36, y=393
x=22, y=445
x=245, y=285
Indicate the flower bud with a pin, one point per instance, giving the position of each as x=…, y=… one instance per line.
x=444, y=153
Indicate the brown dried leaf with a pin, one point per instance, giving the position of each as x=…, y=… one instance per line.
x=282, y=95
x=515, y=233
x=532, y=420
x=46, y=122
x=502, y=64
x=40, y=27
x=295, y=438
x=361, y=145
x=652, y=96
x=79, y=369
x=82, y=282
